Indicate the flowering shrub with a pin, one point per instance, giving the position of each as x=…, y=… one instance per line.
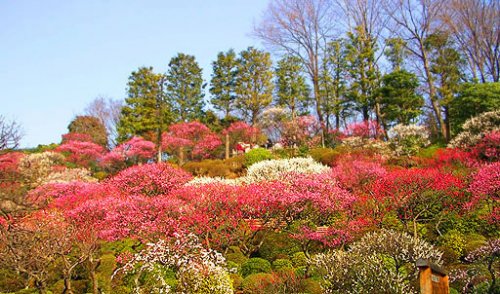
x=69, y=175
x=242, y=132
x=417, y=194
x=198, y=270
x=489, y=255
x=365, y=130
x=76, y=137
x=353, y=172
x=488, y=148
x=194, y=138
x=150, y=179
x=201, y=181
x=475, y=128
x=407, y=140
x=275, y=169
x=302, y=131
x=81, y=153
x=134, y=151
x=35, y=168
x=367, y=146
x=485, y=186
x=364, y=267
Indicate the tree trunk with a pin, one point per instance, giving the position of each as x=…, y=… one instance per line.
x=227, y=146
x=432, y=95
x=181, y=155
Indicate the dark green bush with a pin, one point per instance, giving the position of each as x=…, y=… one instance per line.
x=255, y=265
x=277, y=245
x=299, y=259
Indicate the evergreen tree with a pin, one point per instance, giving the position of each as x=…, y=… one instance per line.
x=399, y=101
x=92, y=126
x=184, y=84
x=292, y=90
x=333, y=79
x=445, y=66
x=222, y=84
x=363, y=71
x=254, y=86
x=146, y=112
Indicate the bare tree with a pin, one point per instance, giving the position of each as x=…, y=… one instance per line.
x=301, y=28
x=10, y=134
x=108, y=111
x=475, y=25
x=414, y=21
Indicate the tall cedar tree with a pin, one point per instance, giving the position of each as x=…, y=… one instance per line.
x=292, y=90
x=222, y=84
x=446, y=68
x=92, y=126
x=333, y=80
x=399, y=101
x=146, y=112
x=184, y=83
x=362, y=70
x=254, y=86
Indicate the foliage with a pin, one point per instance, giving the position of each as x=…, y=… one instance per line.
x=146, y=111
x=194, y=138
x=133, y=151
x=471, y=101
x=184, y=84
x=150, y=179
x=91, y=126
x=291, y=87
x=301, y=131
x=380, y=262
x=408, y=139
x=254, y=85
x=275, y=169
x=257, y=155
x=475, y=128
x=255, y=265
x=488, y=148
x=81, y=153
x=222, y=84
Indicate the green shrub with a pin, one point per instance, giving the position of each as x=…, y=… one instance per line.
x=311, y=286
x=326, y=156
x=256, y=155
x=258, y=283
x=277, y=245
x=10, y=281
x=455, y=242
x=229, y=168
x=236, y=257
x=105, y=271
x=280, y=264
x=299, y=259
x=255, y=265
x=237, y=281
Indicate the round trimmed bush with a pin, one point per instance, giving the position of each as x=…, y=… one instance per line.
x=255, y=265
x=258, y=283
x=257, y=155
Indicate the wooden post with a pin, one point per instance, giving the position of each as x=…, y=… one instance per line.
x=433, y=279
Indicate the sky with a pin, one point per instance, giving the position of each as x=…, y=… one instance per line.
x=58, y=56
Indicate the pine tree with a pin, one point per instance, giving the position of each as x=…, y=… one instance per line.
x=184, y=84
x=222, y=84
x=292, y=90
x=254, y=86
x=146, y=111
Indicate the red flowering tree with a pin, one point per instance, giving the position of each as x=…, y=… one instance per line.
x=82, y=153
x=11, y=190
x=417, y=195
x=485, y=188
x=134, y=151
x=193, y=140
x=149, y=179
x=364, y=129
x=488, y=148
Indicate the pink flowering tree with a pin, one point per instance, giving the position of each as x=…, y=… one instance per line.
x=240, y=132
x=193, y=140
x=364, y=129
x=150, y=179
x=302, y=131
x=485, y=188
x=134, y=151
x=81, y=153
x=488, y=148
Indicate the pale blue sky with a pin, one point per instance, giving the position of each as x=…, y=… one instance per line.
x=57, y=56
